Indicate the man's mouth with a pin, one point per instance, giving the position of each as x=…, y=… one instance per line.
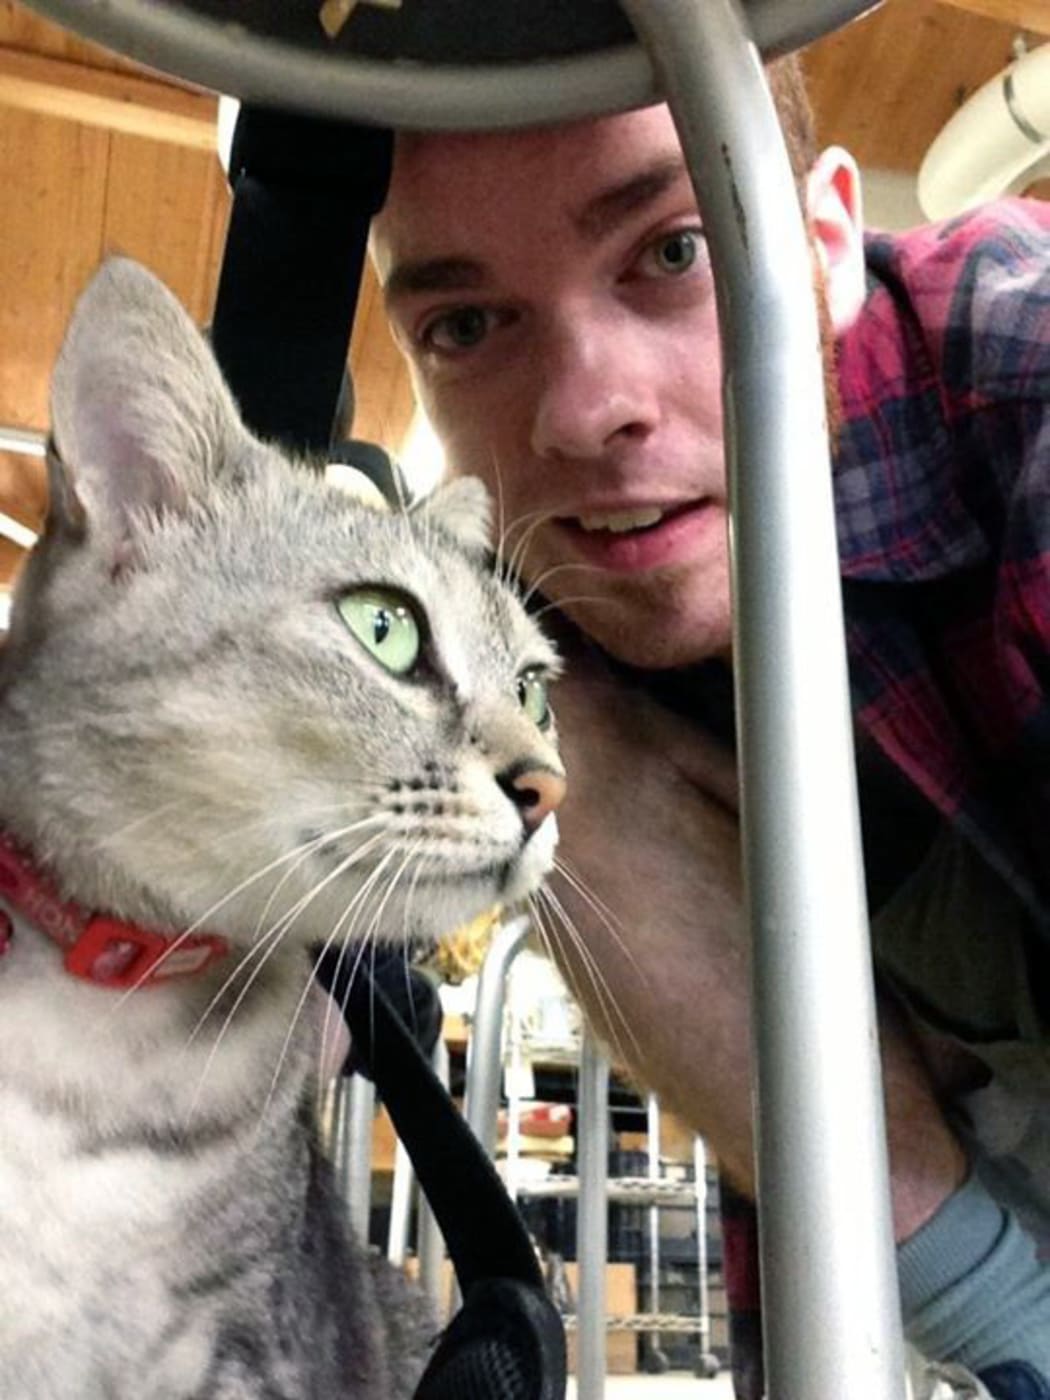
x=637, y=538
x=620, y=522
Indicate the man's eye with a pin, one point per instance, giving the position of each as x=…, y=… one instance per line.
x=672, y=254
x=460, y=329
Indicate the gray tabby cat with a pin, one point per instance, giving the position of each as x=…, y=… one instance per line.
x=239, y=706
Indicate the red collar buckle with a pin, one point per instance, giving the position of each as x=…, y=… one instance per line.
x=114, y=954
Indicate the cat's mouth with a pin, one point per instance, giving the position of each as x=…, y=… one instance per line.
x=498, y=874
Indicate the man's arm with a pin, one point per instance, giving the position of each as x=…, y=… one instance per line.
x=659, y=959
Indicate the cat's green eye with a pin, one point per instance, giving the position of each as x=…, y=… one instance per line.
x=532, y=692
x=384, y=621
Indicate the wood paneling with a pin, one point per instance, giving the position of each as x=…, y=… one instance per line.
x=53, y=174
x=383, y=397
x=74, y=192
x=84, y=193
x=125, y=102
x=168, y=207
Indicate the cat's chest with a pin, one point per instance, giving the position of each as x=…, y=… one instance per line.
x=167, y=1063
x=123, y=1152
x=91, y=1252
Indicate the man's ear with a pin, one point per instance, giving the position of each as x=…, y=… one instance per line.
x=833, y=208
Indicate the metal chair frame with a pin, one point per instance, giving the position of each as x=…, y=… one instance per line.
x=831, y=1307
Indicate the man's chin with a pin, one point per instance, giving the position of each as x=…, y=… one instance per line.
x=653, y=641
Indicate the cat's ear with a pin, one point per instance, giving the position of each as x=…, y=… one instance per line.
x=141, y=420
x=463, y=507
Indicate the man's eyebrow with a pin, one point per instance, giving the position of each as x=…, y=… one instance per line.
x=433, y=275
x=610, y=207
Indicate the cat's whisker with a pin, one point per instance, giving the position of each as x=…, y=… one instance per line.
x=307, y=814
x=335, y=933
x=315, y=843
x=260, y=942
x=555, y=906
x=403, y=504
x=409, y=856
x=553, y=944
x=413, y=884
x=603, y=993
x=538, y=582
x=339, y=962
x=549, y=946
x=526, y=522
x=573, y=972
x=577, y=598
x=112, y=837
x=347, y=944
x=330, y=996
x=274, y=936
x=613, y=925
x=371, y=935
x=312, y=843
x=246, y=883
x=367, y=939
x=500, y=515
x=517, y=559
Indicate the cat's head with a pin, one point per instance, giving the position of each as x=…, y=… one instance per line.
x=233, y=694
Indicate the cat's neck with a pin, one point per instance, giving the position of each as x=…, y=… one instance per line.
x=67, y=1039
x=104, y=951
x=160, y=1057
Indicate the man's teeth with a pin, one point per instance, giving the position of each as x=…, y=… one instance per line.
x=619, y=522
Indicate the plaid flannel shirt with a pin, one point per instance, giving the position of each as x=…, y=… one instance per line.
x=942, y=483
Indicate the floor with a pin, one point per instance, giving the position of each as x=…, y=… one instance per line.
x=678, y=1386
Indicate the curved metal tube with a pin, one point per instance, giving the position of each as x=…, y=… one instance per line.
x=831, y=1309
x=485, y=1070
x=257, y=69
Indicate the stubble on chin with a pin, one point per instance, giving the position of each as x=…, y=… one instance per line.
x=671, y=620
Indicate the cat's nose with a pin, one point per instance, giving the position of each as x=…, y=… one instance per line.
x=535, y=791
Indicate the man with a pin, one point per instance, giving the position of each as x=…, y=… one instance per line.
x=552, y=292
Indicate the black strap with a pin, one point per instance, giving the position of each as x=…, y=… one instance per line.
x=483, y=1230
x=507, y=1342
x=413, y=996
x=304, y=192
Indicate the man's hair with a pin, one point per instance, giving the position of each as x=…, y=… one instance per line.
x=788, y=87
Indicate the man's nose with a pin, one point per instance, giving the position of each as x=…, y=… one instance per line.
x=536, y=791
x=596, y=392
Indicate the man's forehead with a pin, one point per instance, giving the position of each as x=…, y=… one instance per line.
x=419, y=153
x=452, y=184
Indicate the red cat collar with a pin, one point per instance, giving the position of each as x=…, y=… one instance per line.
x=105, y=951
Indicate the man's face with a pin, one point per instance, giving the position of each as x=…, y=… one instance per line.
x=553, y=292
